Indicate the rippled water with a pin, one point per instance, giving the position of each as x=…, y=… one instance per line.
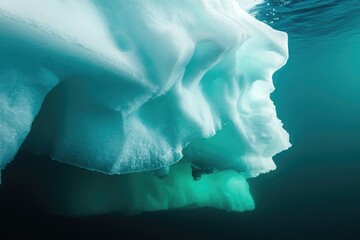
x=311, y=19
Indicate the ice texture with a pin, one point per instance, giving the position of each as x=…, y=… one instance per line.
x=85, y=192
x=131, y=86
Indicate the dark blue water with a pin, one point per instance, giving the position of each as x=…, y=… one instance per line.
x=314, y=193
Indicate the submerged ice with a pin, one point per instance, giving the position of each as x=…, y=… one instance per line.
x=133, y=86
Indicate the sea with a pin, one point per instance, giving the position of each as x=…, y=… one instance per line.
x=315, y=191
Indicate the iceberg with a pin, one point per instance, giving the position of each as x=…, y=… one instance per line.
x=133, y=87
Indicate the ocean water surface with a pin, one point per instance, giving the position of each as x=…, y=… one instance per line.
x=314, y=192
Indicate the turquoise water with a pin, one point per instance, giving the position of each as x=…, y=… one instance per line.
x=318, y=91
x=311, y=19
x=313, y=194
